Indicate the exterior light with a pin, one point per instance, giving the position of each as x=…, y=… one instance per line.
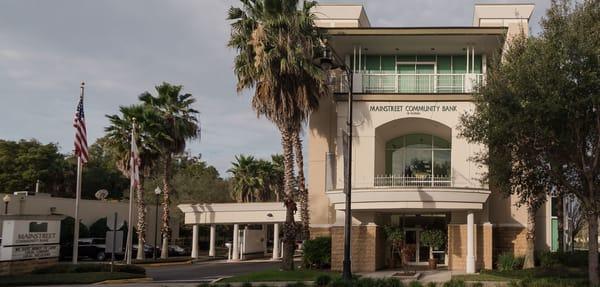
x=157, y=191
x=6, y=200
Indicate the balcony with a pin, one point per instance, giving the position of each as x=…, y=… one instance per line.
x=387, y=181
x=391, y=83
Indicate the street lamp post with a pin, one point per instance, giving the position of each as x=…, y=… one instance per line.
x=157, y=191
x=327, y=63
x=6, y=200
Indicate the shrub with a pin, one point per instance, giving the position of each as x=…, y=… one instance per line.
x=455, y=283
x=339, y=282
x=246, y=284
x=322, y=280
x=297, y=284
x=415, y=284
x=508, y=262
x=477, y=284
x=549, y=259
x=431, y=284
x=317, y=252
x=99, y=228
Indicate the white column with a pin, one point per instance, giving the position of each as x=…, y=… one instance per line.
x=213, y=234
x=265, y=236
x=236, y=243
x=470, y=243
x=275, y=241
x=195, y=241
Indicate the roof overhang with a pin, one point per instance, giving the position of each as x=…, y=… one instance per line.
x=232, y=213
x=426, y=40
x=431, y=199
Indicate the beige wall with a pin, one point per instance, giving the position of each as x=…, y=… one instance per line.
x=373, y=128
x=89, y=210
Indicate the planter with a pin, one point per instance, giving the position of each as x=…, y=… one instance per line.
x=432, y=263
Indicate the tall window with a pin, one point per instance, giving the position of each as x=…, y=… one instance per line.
x=419, y=156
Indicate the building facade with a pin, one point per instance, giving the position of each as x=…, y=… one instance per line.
x=411, y=168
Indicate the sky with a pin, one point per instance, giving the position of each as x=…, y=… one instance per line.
x=123, y=48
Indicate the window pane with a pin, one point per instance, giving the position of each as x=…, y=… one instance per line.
x=388, y=63
x=418, y=163
x=418, y=141
x=441, y=161
x=373, y=63
x=440, y=143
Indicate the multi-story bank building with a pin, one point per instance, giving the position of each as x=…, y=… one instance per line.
x=410, y=166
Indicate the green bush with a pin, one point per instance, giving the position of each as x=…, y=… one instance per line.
x=67, y=229
x=317, y=253
x=508, y=262
x=415, y=284
x=577, y=259
x=322, y=280
x=99, y=228
x=246, y=284
x=455, y=283
x=88, y=268
x=477, y=284
x=431, y=284
x=339, y=282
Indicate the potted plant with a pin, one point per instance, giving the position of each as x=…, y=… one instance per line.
x=434, y=238
x=395, y=236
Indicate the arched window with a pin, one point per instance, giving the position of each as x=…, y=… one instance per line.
x=419, y=156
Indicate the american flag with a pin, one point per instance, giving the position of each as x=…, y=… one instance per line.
x=135, y=161
x=81, y=148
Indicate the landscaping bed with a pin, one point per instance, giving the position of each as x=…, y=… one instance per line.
x=540, y=276
x=280, y=276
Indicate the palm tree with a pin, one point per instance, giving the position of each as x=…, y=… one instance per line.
x=277, y=45
x=118, y=137
x=254, y=180
x=179, y=123
x=245, y=180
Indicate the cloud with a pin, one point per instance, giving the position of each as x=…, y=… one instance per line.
x=123, y=48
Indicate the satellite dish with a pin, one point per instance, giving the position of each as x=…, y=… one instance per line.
x=110, y=221
x=101, y=194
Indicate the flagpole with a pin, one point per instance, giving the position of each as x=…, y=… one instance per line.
x=130, y=220
x=77, y=198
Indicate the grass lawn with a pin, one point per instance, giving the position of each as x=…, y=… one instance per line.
x=278, y=275
x=560, y=276
x=65, y=278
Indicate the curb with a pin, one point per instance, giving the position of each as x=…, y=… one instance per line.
x=124, y=281
x=159, y=264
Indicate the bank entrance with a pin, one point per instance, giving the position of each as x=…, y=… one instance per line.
x=415, y=252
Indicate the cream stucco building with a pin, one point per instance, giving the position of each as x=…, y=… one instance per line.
x=410, y=167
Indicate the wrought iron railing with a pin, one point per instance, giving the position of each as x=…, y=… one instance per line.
x=411, y=181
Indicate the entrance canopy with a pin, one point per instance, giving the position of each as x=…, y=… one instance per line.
x=234, y=213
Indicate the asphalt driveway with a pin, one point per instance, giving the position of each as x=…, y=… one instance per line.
x=207, y=271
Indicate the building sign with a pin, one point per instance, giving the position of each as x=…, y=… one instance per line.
x=30, y=238
x=29, y=252
x=21, y=232
x=413, y=109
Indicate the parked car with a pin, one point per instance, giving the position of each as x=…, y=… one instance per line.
x=147, y=250
x=176, y=250
x=93, y=248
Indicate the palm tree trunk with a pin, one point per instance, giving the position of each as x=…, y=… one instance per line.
x=141, y=222
x=530, y=237
x=302, y=192
x=592, y=219
x=166, y=228
x=289, y=228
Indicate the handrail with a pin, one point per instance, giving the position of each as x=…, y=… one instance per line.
x=411, y=181
x=378, y=82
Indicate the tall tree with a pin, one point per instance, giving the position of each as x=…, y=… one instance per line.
x=118, y=142
x=179, y=123
x=24, y=162
x=255, y=180
x=549, y=94
x=277, y=44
